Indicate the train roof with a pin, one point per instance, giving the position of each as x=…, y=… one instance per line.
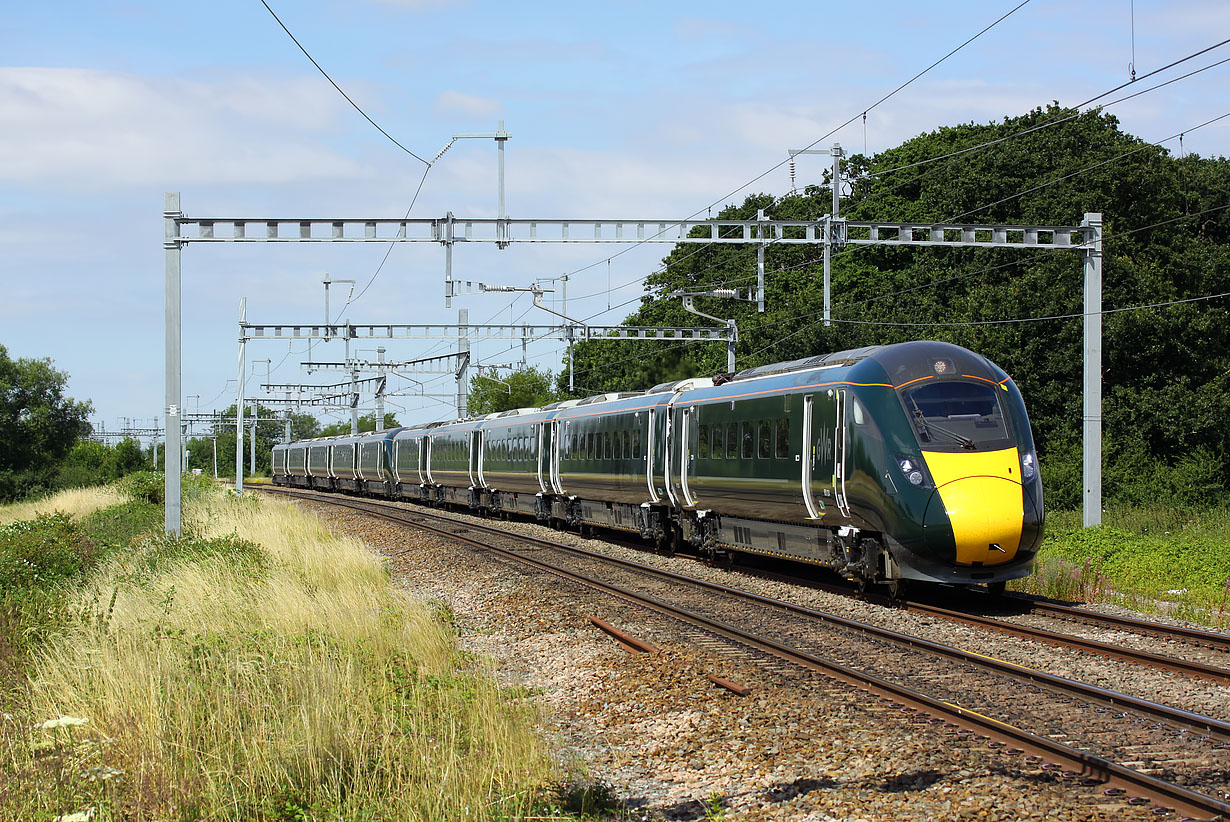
x=850, y=357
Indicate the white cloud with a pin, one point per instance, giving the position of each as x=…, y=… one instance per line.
x=99, y=129
x=462, y=103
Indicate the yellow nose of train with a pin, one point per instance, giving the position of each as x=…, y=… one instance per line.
x=980, y=493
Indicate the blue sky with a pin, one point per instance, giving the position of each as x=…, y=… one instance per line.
x=616, y=110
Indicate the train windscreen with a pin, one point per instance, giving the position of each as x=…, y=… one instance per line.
x=953, y=415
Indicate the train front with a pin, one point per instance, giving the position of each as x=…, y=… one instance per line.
x=974, y=474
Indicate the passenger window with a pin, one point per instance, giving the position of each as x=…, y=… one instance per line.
x=702, y=442
x=860, y=417
x=748, y=435
x=589, y=446
x=606, y=439
x=783, y=438
x=636, y=445
x=732, y=440
x=764, y=440
x=627, y=454
x=718, y=440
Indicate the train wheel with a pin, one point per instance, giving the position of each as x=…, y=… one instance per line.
x=671, y=541
x=895, y=588
x=997, y=589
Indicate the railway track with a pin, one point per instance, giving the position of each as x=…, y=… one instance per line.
x=1176, y=759
x=1186, y=667
x=1211, y=649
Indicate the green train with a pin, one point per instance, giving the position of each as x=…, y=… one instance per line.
x=885, y=464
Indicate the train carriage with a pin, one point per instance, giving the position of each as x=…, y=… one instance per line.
x=452, y=463
x=409, y=461
x=610, y=473
x=374, y=468
x=277, y=464
x=344, y=463
x=318, y=459
x=515, y=468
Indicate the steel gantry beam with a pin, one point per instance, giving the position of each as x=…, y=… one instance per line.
x=440, y=331
x=829, y=231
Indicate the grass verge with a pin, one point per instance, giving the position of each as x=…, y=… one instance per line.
x=75, y=502
x=1160, y=560
x=260, y=669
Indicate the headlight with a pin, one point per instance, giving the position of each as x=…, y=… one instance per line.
x=1029, y=466
x=912, y=469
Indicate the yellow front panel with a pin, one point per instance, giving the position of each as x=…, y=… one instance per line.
x=981, y=493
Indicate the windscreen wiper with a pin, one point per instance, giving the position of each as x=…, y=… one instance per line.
x=963, y=440
x=922, y=420
x=924, y=428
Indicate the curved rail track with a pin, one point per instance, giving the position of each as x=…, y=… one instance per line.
x=1154, y=753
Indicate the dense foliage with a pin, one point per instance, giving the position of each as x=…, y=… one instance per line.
x=1166, y=369
x=524, y=388
x=38, y=424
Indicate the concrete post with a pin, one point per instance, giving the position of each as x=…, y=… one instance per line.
x=1092, y=451
x=243, y=316
x=172, y=506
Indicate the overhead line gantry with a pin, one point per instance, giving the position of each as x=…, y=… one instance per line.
x=829, y=231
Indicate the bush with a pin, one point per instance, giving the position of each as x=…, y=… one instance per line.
x=39, y=553
x=144, y=486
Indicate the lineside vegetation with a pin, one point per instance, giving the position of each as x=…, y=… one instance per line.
x=261, y=668
x=1170, y=561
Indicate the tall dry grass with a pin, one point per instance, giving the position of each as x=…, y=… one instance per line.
x=76, y=502
x=266, y=669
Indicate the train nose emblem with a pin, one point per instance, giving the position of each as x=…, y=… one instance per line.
x=994, y=546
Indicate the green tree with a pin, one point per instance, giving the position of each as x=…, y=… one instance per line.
x=367, y=422
x=270, y=430
x=38, y=423
x=524, y=388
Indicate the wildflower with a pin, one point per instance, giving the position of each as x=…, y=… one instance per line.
x=62, y=722
x=81, y=816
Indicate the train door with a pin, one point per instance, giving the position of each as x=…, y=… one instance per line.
x=668, y=450
x=825, y=464
x=649, y=455
x=556, y=440
x=476, y=459
x=687, y=426
x=542, y=456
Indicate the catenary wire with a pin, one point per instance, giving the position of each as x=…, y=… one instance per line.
x=1078, y=106
x=960, y=152
x=828, y=134
x=339, y=88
